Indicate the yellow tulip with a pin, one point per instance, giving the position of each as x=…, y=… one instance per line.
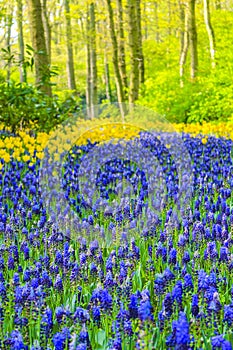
x=26, y=158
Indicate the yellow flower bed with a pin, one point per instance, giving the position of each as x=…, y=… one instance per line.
x=28, y=148
x=224, y=129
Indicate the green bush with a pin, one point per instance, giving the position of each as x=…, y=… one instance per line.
x=23, y=106
x=210, y=105
x=197, y=102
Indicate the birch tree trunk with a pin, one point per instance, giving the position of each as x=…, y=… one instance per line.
x=19, y=17
x=121, y=44
x=192, y=39
x=210, y=31
x=38, y=43
x=119, y=83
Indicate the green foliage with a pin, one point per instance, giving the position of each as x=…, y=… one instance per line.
x=193, y=103
x=210, y=105
x=209, y=98
x=23, y=106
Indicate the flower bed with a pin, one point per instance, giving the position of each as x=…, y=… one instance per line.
x=162, y=281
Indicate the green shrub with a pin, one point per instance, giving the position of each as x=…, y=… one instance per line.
x=197, y=102
x=23, y=106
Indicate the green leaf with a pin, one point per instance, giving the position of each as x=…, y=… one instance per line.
x=100, y=337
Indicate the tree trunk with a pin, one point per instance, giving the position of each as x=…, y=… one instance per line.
x=69, y=47
x=210, y=31
x=38, y=43
x=121, y=46
x=133, y=48
x=119, y=83
x=88, y=67
x=107, y=81
x=192, y=39
x=9, y=22
x=140, y=49
x=19, y=17
x=144, y=16
x=47, y=29
x=57, y=14
x=169, y=18
x=157, y=37
x=93, y=63
x=184, y=39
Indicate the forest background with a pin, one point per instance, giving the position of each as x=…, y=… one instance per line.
x=58, y=57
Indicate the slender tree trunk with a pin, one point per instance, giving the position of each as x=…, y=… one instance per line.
x=19, y=17
x=133, y=48
x=140, y=48
x=192, y=39
x=210, y=31
x=69, y=46
x=39, y=46
x=144, y=16
x=157, y=36
x=119, y=83
x=107, y=77
x=57, y=14
x=181, y=24
x=93, y=80
x=121, y=45
x=184, y=39
x=47, y=28
x=88, y=67
x=9, y=22
x=169, y=18
x=106, y=80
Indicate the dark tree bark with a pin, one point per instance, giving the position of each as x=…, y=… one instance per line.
x=42, y=71
x=69, y=46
